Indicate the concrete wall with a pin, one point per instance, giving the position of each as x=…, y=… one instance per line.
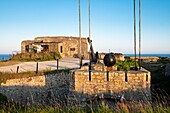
x=70, y=45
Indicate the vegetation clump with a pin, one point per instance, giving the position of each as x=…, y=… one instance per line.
x=103, y=108
x=6, y=76
x=3, y=99
x=42, y=56
x=125, y=65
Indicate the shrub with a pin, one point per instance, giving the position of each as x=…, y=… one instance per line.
x=125, y=65
x=3, y=99
x=42, y=56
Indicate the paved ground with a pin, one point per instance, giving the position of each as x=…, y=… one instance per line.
x=64, y=63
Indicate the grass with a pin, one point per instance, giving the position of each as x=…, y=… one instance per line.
x=11, y=107
x=6, y=76
x=42, y=56
x=158, y=78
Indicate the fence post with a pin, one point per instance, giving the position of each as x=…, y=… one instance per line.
x=36, y=68
x=17, y=69
x=90, y=71
x=57, y=63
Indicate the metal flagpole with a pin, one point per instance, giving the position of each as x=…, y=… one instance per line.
x=80, y=34
x=139, y=34
x=89, y=30
x=89, y=18
x=135, y=32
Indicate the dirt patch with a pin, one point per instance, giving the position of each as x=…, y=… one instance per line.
x=8, y=63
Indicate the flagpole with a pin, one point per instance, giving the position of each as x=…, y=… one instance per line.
x=79, y=7
x=89, y=18
x=135, y=32
x=139, y=34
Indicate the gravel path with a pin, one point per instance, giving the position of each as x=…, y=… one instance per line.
x=64, y=63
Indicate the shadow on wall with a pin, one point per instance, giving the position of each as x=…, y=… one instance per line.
x=110, y=99
x=40, y=90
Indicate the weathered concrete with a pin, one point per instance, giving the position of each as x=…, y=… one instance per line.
x=66, y=46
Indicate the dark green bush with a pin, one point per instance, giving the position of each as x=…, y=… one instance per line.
x=3, y=99
x=125, y=65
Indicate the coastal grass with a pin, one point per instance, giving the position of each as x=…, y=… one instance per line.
x=134, y=107
x=4, y=76
x=42, y=56
x=30, y=57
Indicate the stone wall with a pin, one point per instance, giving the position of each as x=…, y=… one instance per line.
x=118, y=56
x=133, y=85
x=76, y=87
x=38, y=90
x=150, y=58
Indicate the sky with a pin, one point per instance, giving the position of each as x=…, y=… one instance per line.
x=111, y=23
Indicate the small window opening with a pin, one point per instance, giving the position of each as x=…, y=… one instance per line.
x=61, y=49
x=146, y=77
x=72, y=49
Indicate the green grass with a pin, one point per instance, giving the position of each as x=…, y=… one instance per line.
x=125, y=65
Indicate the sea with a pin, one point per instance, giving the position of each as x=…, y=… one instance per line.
x=7, y=56
x=149, y=55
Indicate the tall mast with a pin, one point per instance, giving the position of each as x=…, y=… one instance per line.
x=135, y=32
x=89, y=18
x=139, y=34
x=79, y=29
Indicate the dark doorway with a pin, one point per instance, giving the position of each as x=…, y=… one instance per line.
x=45, y=47
x=27, y=48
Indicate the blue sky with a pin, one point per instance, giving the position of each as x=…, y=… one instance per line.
x=111, y=23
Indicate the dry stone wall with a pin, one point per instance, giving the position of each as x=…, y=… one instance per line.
x=132, y=85
x=40, y=90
